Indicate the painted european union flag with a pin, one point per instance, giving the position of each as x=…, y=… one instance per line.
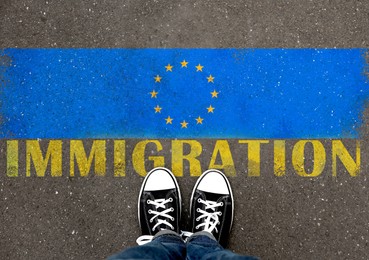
x=169, y=93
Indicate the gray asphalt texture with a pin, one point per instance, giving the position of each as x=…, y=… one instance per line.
x=287, y=217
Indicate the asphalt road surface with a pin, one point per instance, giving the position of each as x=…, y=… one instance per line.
x=287, y=217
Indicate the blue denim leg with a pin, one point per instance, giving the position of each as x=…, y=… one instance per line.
x=165, y=246
x=202, y=245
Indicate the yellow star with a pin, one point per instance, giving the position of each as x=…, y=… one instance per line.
x=184, y=124
x=184, y=63
x=199, y=120
x=211, y=79
x=157, y=78
x=210, y=109
x=214, y=94
x=169, y=67
x=199, y=67
x=157, y=109
x=154, y=94
x=168, y=120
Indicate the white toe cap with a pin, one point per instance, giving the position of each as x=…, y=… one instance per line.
x=214, y=182
x=159, y=179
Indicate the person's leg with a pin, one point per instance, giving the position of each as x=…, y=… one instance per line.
x=211, y=210
x=202, y=245
x=159, y=212
x=164, y=245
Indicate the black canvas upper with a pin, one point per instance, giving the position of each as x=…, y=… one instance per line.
x=225, y=218
x=146, y=225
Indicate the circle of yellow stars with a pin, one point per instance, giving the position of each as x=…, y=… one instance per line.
x=169, y=68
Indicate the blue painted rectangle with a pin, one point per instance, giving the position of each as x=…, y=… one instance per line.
x=110, y=93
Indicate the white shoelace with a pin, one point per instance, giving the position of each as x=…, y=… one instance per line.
x=211, y=218
x=159, y=203
x=210, y=223
x=144, y=239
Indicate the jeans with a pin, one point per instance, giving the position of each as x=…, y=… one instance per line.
x=169, y=245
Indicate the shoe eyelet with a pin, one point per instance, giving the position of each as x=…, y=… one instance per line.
x=197, y=210
x=172, y=218
x=149, y=211
x=220, y=213
x=199, y=200
x=151, y=220
x=148, y=201
x=172, y=209
x=197, y=227
x=170, y=200
x=221, y=204
x=197, y=219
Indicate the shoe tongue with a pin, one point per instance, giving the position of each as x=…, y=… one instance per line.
x=161, y=194
x=212, y=196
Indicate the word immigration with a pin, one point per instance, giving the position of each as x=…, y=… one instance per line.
x=116, y=157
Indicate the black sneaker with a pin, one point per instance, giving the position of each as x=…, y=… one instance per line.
x=159, y=202
x=212, y=205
